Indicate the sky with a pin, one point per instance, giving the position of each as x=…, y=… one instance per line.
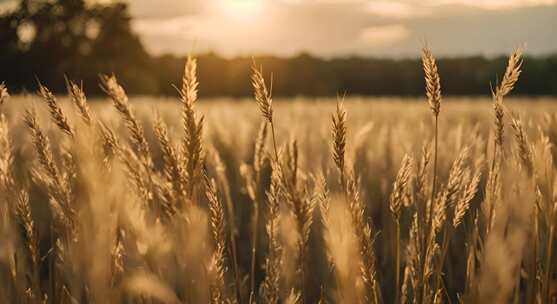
x=340, y=28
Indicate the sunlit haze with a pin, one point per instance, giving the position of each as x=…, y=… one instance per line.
x=240, y=10
x=333, y=28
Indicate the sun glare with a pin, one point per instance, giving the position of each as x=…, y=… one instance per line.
x=241, y=10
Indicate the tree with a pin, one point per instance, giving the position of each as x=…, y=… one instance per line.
x=50, y=39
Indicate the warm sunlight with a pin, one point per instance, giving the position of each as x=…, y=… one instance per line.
x=278, y=151
x=240, y=10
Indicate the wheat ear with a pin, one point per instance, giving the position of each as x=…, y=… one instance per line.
x=120, y=101
x=264, y=99
x=253, y=184
x=110, y=144
x=510, y=78
x=216, y=212
x=56, y=113
x=193, y=127
x=433, y=93
x=4, y=95
x=259, y=150
x=365, y=242
x=463, y=203
x=50, y=177
x=78, y=98
x=508, y=82
x=6, y=157
x=338, y=131
x=523, y=145
x=23, y=209
x=395, y=204
x=270, y=286
x=173, y=170
x=42, y=146
x=262, y=95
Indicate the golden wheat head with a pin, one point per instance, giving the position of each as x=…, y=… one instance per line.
x=56, y=113
x=400, y=186
x=338, y=130
x=433, y=81
x=510, y=78
x=78, y=98
x=263, y=96
x=4, y=95
x=189, y=82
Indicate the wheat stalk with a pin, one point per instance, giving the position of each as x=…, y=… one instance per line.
x=420, y=221
x=459, y=177
x=270, y=285
x=6, y=157
x=521, y=139
x=173, y=170
x=23, y=210
x=433, y=93
x=193, y=127
x=253, y=184
x=259, y=150
x=264, y=99
x=110, y=145
x=78, y=98
x=56, y=113
x=4, y=95
x=432, y=80
x=293, y=298
x=42, y=147
x=355, y=206
x=138, y=174
x=463, y=204
x=338, y=130
x=216, y=212
x=120, y=101
x=365, y=242
x=262, y=95
x=400, y=186
x=233, y=230
x=395, y=203
x=510, y=78
x=301, y=206
x=508, y=82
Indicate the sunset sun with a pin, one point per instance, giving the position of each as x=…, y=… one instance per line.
x=240, y=10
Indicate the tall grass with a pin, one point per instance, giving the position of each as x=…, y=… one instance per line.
x=196, y=204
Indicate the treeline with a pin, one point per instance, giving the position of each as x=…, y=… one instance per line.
x=310, y=76
x=47, y=40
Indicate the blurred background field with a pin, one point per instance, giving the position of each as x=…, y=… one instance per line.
x=381, y=130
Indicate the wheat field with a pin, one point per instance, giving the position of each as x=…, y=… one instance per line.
x=352, y=200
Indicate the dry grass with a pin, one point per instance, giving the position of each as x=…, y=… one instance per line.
x=351, y=201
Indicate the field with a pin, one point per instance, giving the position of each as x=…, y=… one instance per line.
x=355, y=200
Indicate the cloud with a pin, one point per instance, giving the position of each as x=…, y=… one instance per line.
x=494, y=4
x=328, y=28
x=168, y=8
x=352, y=27
x=384, y=35
x=394, y=9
